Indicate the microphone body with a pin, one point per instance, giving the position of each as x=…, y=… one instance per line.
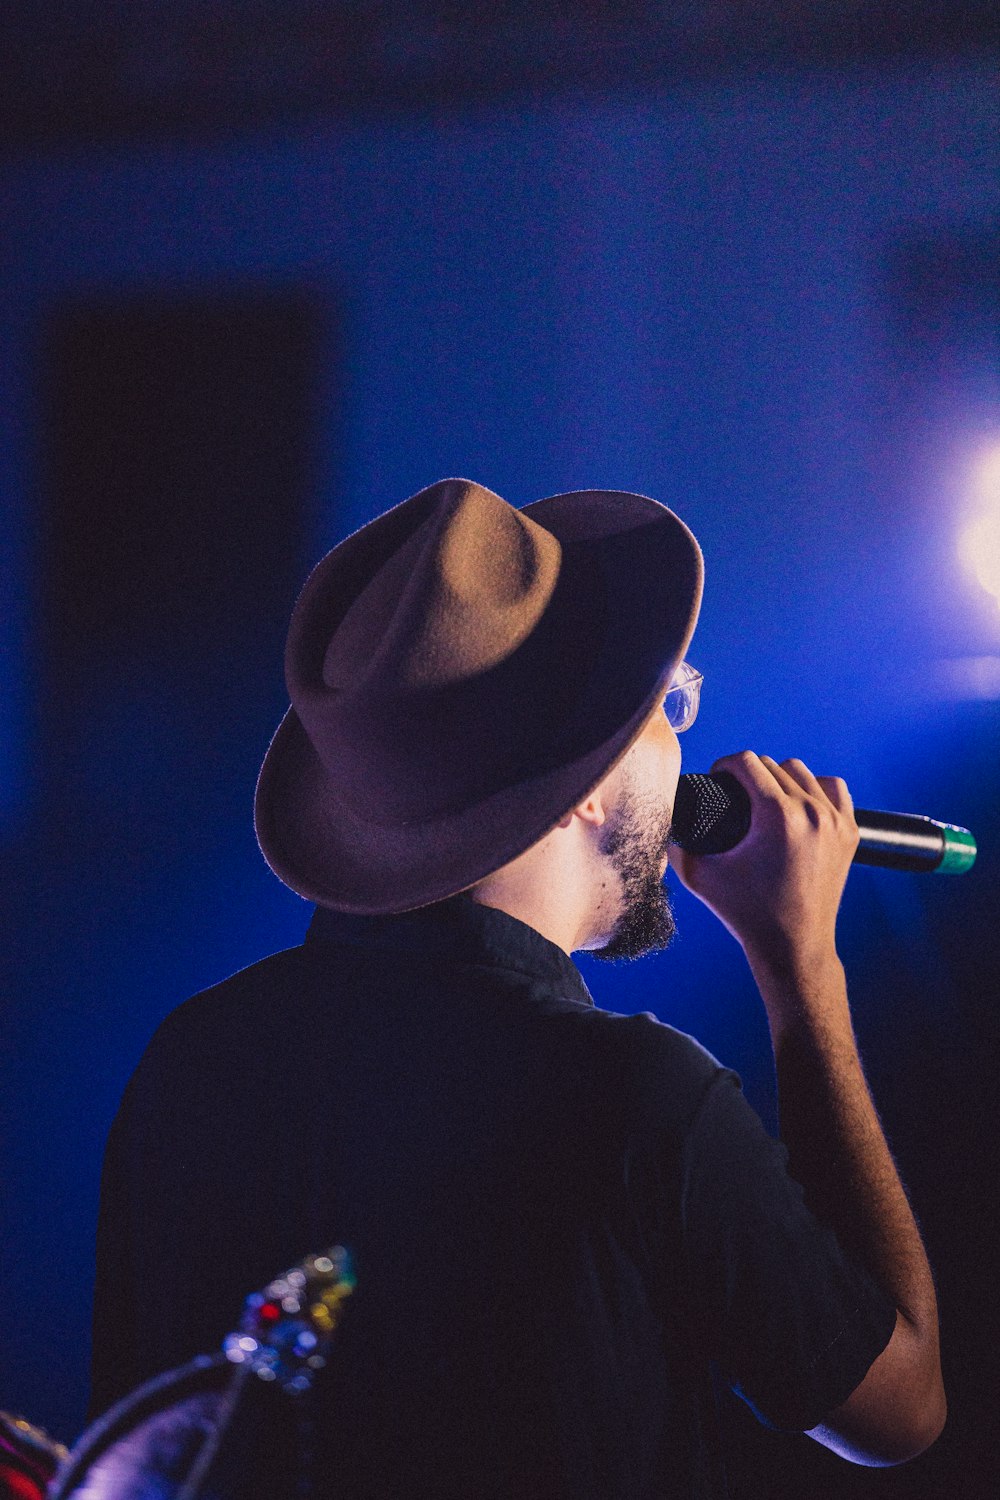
x=712, y=813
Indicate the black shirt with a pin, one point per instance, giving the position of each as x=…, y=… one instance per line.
x=560, y=1217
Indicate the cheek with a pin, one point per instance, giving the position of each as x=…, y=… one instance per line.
x=659, y=763
x=670, y=770
x=669, y=748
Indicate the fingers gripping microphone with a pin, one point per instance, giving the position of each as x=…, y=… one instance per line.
x=712, y=814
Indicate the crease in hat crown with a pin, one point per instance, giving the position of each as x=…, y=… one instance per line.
x=459, y=597
x=419, y=649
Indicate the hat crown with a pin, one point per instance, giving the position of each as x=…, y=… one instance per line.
x=446, y=627
x=463, y=592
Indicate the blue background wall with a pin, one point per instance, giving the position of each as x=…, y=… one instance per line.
x=709, y=297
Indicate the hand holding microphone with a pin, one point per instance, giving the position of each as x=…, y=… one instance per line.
x=712, y=813
x=782, y=842
x=778, y=887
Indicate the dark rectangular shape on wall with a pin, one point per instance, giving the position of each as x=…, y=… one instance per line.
x=179, y=474
x=177, y=518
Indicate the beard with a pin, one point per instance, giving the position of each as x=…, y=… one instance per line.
x=634, y=840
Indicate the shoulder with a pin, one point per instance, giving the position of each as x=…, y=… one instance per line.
x=257, y=987
x=664, y=1073
x=230, y=1020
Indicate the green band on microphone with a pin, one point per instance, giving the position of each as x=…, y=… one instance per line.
x=959, y=850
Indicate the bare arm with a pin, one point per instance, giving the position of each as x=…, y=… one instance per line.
x=778, y=893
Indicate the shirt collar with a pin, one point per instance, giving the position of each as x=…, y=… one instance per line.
x=461, y=929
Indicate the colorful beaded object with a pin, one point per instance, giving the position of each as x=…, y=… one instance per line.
x=286, y=1329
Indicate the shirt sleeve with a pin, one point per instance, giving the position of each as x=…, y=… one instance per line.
x=792, y=1323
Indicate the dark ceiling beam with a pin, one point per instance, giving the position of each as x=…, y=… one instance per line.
x=114, y=69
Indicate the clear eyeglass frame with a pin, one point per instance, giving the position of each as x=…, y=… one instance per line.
x=683, y=697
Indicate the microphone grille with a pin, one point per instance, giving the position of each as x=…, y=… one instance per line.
x=711, y=813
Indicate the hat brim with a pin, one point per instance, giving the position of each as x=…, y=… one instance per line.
x=652, y=573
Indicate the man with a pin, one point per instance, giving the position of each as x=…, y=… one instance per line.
x=566, y=1223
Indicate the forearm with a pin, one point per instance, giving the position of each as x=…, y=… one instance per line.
x=778, y=892
x=835, y=1143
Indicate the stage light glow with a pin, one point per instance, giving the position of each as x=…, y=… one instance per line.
x=979, y=542
x=962, y=679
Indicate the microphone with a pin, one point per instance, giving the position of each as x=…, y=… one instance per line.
x=712, y=814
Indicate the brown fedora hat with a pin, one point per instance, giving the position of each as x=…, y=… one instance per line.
x=462, y=673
